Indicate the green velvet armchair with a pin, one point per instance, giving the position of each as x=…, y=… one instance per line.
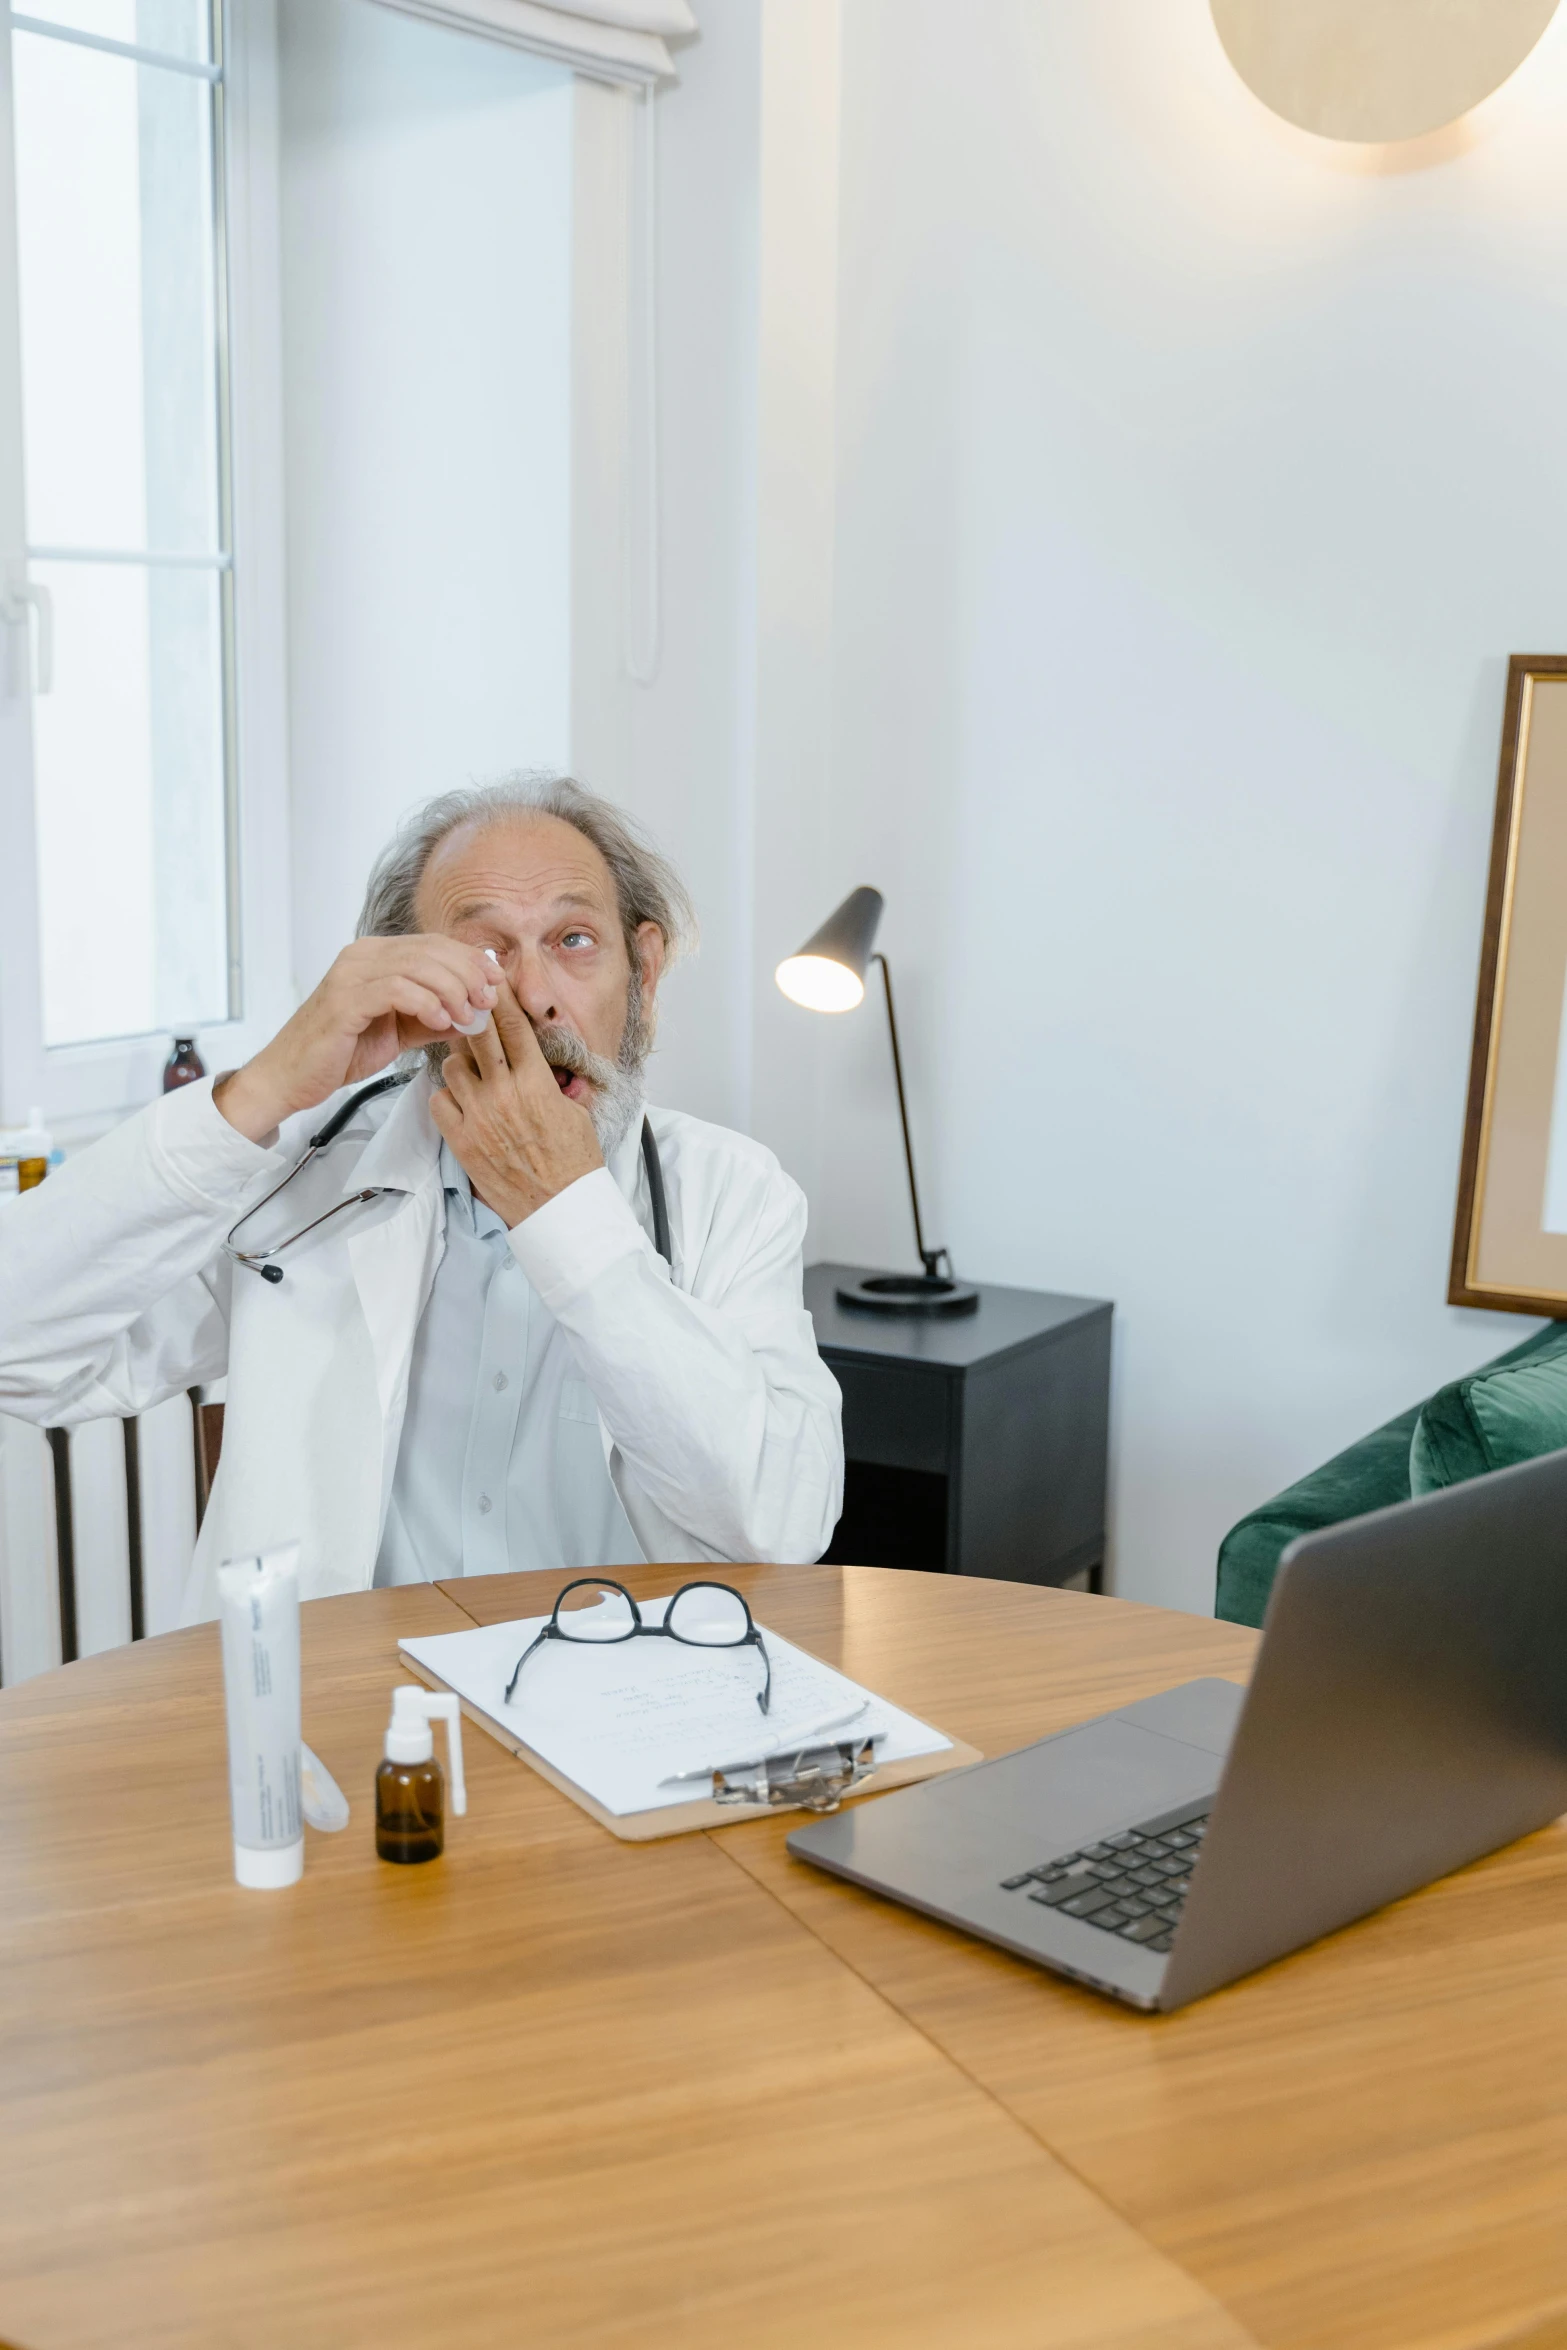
x=1509, y=1410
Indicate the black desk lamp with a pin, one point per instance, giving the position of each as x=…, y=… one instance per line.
x=828, y=975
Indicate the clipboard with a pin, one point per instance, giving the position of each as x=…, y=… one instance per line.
x=682, y=1819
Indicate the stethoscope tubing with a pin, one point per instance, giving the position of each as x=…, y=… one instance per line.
x=259, y=1260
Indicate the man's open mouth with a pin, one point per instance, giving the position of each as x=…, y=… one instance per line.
x=577, y=1071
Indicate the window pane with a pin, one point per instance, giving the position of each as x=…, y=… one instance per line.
x=128, y=761
x=119, y=377
x=176, y=28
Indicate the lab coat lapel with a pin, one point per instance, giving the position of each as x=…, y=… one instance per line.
x=394, y=1259
x=626, y=1165
x=630, y=1176
x=337, y=1515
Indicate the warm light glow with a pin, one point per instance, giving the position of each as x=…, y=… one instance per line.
x=819, y=984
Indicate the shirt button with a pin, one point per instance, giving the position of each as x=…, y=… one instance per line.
x=484, y=1505
x=499, y=1381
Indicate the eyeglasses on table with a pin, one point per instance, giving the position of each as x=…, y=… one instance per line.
x=701, y=1615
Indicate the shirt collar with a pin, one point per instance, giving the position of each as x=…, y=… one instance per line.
x=625, y=1160
x=459, y=1195
x=407, y=1148
x=455, y=1184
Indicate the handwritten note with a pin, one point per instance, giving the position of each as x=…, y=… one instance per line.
x=619, y=1721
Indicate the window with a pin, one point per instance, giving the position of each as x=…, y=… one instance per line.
x=120, y=899
x=118, y=157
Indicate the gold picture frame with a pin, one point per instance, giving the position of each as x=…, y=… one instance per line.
x=1510, y=1234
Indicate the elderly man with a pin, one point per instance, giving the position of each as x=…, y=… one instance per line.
x=451, y=1341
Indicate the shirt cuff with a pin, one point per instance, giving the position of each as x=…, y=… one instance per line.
x=200, y=1154
x=564, y=1246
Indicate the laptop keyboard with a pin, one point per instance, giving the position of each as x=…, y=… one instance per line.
x=1132, y=1884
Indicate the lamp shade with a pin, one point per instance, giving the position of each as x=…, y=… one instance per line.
x=828, y=972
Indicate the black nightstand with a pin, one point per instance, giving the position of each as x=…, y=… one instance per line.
x=977, y=1443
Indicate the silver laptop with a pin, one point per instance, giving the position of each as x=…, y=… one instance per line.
x=1408, y=1712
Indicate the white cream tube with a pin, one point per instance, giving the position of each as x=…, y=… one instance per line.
x=258, y=1610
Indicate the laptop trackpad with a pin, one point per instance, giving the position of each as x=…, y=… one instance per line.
x=1070, y=1790
x=988, y=1822
x=1203, y=1713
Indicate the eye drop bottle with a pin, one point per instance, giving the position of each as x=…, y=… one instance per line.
x=410, y=1786
x=481, y=1020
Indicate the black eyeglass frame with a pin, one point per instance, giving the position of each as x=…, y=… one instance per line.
x=749, y=1638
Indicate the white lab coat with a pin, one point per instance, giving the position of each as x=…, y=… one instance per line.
x=719, y=1421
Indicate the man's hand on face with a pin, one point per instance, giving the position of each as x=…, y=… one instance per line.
x=501, y=1108
x=382, y=997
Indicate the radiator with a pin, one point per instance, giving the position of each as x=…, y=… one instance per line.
x=29, y=1579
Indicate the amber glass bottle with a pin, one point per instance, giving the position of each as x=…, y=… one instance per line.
x=410, y=1786
x=410, y=1810
x=184, y=1065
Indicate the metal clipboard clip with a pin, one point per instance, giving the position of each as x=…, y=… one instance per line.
x=814, y=1778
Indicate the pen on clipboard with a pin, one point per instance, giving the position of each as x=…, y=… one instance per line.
x=790, y=1745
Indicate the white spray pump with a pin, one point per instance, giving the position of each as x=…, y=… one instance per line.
x=409, y=1786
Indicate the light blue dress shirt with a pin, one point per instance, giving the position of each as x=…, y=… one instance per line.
x=501, y=1464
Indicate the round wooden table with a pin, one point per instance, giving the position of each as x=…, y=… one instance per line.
x=555, y=2089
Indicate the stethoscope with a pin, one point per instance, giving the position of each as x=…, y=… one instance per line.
x=258, y=1260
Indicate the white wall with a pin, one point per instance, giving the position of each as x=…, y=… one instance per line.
x=1195, y=479
x=427, y=323
x=792, y=780
x=726, y=751
x=675, y=749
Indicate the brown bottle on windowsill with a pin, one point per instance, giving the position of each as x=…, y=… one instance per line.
x=184, y=1065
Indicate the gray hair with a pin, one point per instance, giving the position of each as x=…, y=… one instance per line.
x=647, y=887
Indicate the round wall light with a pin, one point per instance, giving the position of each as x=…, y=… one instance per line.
x=1377, y=70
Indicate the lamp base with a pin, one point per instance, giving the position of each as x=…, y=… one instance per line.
x=909, y=1293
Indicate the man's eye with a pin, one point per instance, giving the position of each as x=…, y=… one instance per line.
x=577, y=938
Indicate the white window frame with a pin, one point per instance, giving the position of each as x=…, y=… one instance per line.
x=83, y=1089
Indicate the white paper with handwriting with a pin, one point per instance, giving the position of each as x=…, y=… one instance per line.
x=620, y=1720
